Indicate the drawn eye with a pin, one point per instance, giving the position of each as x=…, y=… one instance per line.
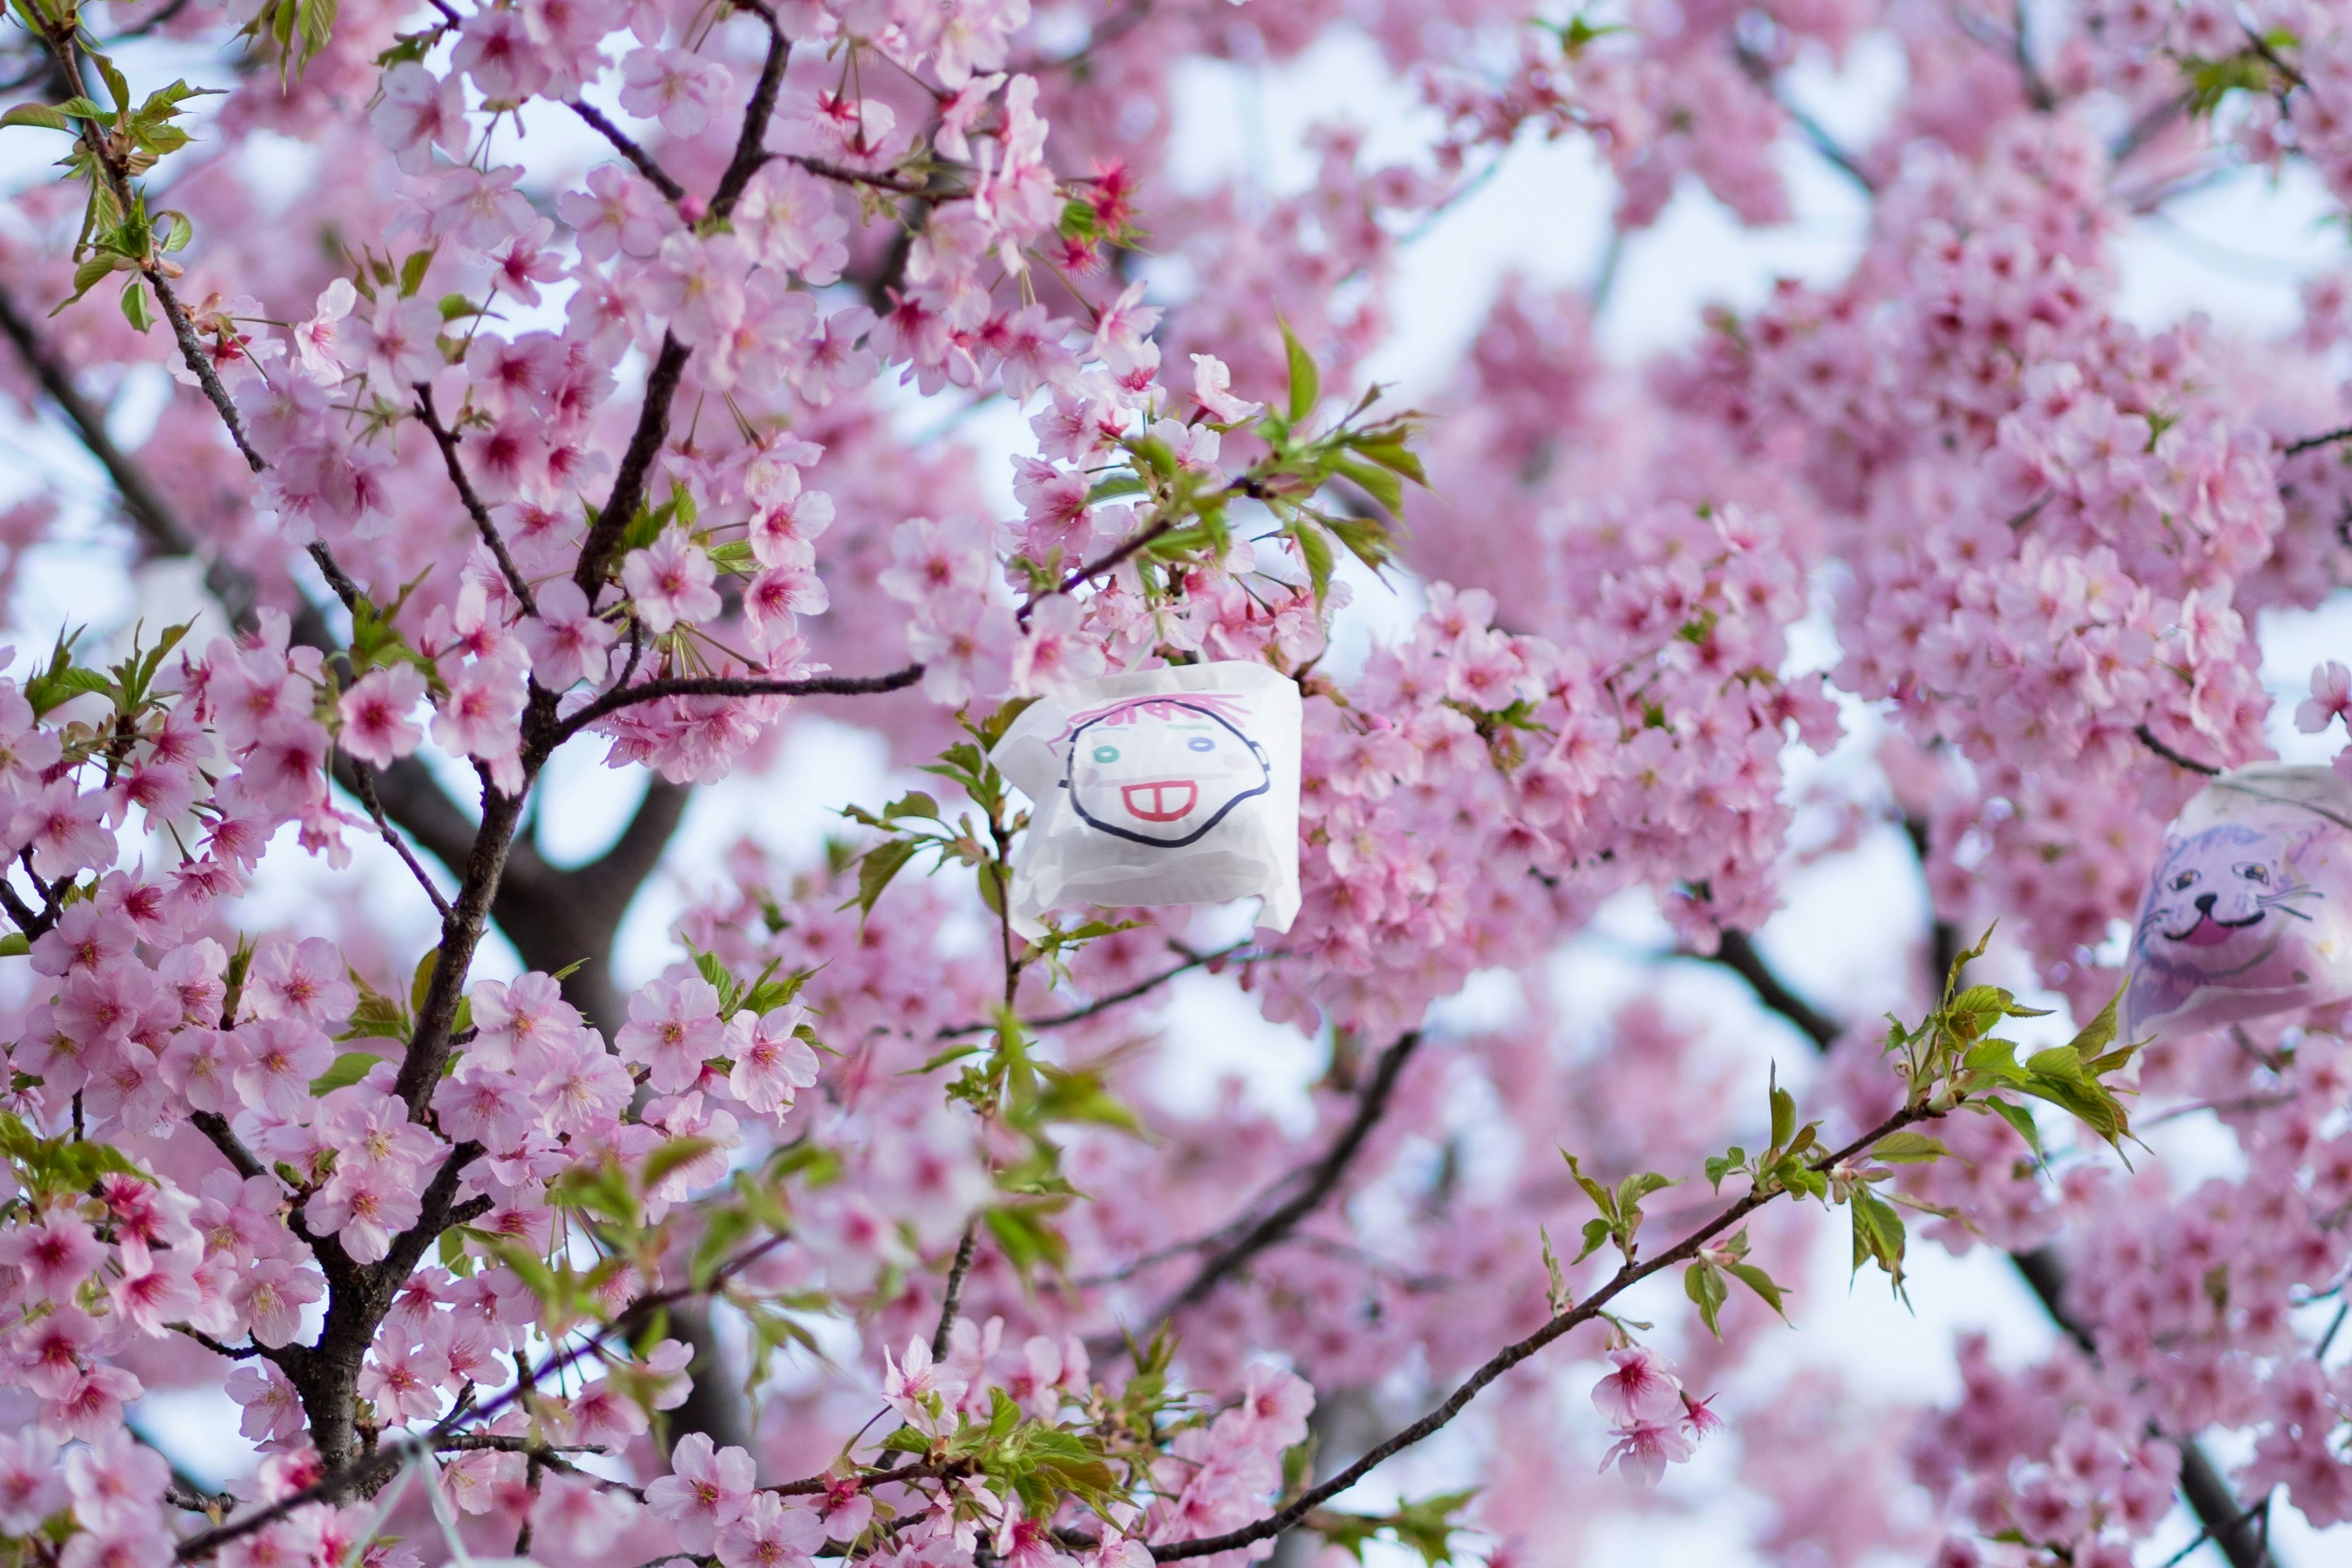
x=1106, y=754
x=2184, y=880
x=1202, y=743
x=2254, y=871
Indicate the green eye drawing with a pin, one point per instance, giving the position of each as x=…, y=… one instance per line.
x=1106, y=754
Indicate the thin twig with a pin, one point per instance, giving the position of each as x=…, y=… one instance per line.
x=2327, y=438
x=1760, y=72
x=1317, y=1182
x=966, y=1249
x=842, y=174
x=737, y=686
x=2148, y=738
x=1117, y=998
x=652, y=430
x=2319, y=1351
x=629, y=149
x=364, y=786
x=450, y=459
x=193, y=352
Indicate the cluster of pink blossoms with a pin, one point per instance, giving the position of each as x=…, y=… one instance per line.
x=477, y=434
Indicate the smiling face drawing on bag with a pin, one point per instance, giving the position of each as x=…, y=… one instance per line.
x=1162, y=770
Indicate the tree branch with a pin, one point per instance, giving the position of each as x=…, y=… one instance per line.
x=1317, y=1182
x=842, y=174
x=364, y=786
x=628, y=490
x=2148, y=738
x=1119, y=999
x=737, y=686
x=1737, y=952
x=1627, y=1276
x=952, y=1298
x=448, y=442
x=2327, y=438
x=627, y=147
x=357, y=1476
x=2202, y=1485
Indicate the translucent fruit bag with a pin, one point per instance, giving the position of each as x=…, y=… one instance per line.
x=1173, y=786
x=2249, y=911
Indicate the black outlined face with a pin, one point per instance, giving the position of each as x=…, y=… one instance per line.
x=1161, y=771
x=2218, y=901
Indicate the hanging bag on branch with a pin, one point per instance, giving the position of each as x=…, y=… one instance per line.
x=1174, y=786
x=2249, y=911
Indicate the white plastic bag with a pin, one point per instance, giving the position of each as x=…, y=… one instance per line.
x=2249, y=910
x=1174, y=786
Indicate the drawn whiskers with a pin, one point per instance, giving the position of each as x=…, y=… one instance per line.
x=2278, y=900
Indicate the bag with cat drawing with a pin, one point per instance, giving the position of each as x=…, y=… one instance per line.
x=2250, y=908
x=1174, y=786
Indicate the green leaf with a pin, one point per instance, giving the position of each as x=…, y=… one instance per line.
x=1315, y=550
x=118, y=88
x=421, y=981
x=134, y=304
x=1758, y=1280
x=1908, y=1148
x=1598, y=1233
x=36, y=114
x=1026, y=1240
x=1376, y=482
x=1784, y=1111
x=1592, y=1189
x=1391, y=453
x=1305, y=380
x=2099, y=1033
x=2017, y=1117
x=1702, y=1283
x=14, y=946
x=876, y=868
x=346, y=1070
x=724, y=1230
x=412, y=271
x=1877, y=1235
x=672, y=1156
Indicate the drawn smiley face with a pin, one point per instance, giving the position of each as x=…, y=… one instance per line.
x=1161, y=772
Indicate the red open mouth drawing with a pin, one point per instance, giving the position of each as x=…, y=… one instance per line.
x=1159, y=801
x=2210, y=932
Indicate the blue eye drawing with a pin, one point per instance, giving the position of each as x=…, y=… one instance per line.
x=1202, y=743
x=1106, y=754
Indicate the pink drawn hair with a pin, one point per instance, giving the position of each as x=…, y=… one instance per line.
x=1224, y=704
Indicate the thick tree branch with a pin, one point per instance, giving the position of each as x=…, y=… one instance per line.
x=362, y=1475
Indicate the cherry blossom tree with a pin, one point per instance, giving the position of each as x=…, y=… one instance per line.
x=556, y=380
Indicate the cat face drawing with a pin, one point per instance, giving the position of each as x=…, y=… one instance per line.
x=2219, y=910
x=1162, y=771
